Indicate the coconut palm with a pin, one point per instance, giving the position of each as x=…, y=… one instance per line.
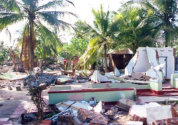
x=101, y=34
x=41, y=21
x=164, y=12
x=135, y=28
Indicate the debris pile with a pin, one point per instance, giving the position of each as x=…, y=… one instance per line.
x=137, y=76
x=42, y=78
x=82, y=112
x=91, y=117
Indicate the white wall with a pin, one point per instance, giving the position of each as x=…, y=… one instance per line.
x=168, y=53
x=142, y=63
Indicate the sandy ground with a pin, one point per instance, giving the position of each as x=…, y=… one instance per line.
x=13, y=103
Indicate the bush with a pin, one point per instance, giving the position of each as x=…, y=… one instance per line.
x=4, y=53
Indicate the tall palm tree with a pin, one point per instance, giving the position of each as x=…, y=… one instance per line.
x=38, y=19
x=164, y=16
x=135, y=29
x=101, y=35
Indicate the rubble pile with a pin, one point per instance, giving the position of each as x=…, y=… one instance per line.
x=63, y=80
x=87, y=116
x=124, y=112
x=137, y=77
x=11, y=85
x=42, y=78
x=81, y=112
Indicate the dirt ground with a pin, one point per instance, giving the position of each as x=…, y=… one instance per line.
x=13, y=102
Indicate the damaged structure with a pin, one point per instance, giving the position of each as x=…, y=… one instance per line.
x=147, y=70
x=157, y=63
x=153, y=64
x=119, y=59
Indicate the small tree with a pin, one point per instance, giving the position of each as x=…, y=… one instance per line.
x=4, y=53
x=35, y=91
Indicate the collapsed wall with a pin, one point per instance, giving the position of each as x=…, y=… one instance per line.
x=158, y=63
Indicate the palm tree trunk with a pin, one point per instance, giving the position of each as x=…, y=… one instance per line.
x=166, y=38
x=31, y=48
x=167, y=32
x=105, y=57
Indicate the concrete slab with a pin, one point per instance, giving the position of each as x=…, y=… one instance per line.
x=146, y=99
x=8, y=108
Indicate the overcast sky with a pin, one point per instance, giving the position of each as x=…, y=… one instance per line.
x=82, y=9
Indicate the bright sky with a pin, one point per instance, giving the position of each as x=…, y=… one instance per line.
x=82, y=9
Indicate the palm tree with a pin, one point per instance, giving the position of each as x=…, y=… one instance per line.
x=135, y=29
x=164, y=16
x=101, y=35
x=41, y=21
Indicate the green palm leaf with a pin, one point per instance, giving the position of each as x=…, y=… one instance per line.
x=54, y=3
x=10, y=18
x=52, y=19
x=48, y=40
x=10, y=5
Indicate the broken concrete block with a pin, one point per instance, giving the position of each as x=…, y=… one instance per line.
x=18, y=88
x=92, y=117
x=158, y=113
x=134, y=123
x=139, y=112
x=125, y=104
x=99, y=107
x=64, y=80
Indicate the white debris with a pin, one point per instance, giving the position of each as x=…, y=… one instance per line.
x=98, y=78
x=134, y=123
x=158, y=113
x=74, y=106
x=98, y=108
x=140, y=110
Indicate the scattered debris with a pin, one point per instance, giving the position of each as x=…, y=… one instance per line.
x=9, y=87
x=42, y=78
x=98, y=78
x=125, y=104
x=63, y=80
x=18, y=88
x=91, y=117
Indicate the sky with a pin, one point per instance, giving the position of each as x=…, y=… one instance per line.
x=82, y=9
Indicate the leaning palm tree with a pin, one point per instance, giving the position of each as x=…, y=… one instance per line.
x=41, y=22
x=164, y=16
x=101, y=35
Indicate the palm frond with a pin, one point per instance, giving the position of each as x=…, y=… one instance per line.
x=54, y=3
x=53, y=20
x=92, y=48
x=9, y=19
x=31, y=3
x=59, y=13
x=10, y=5
x=48, y=39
